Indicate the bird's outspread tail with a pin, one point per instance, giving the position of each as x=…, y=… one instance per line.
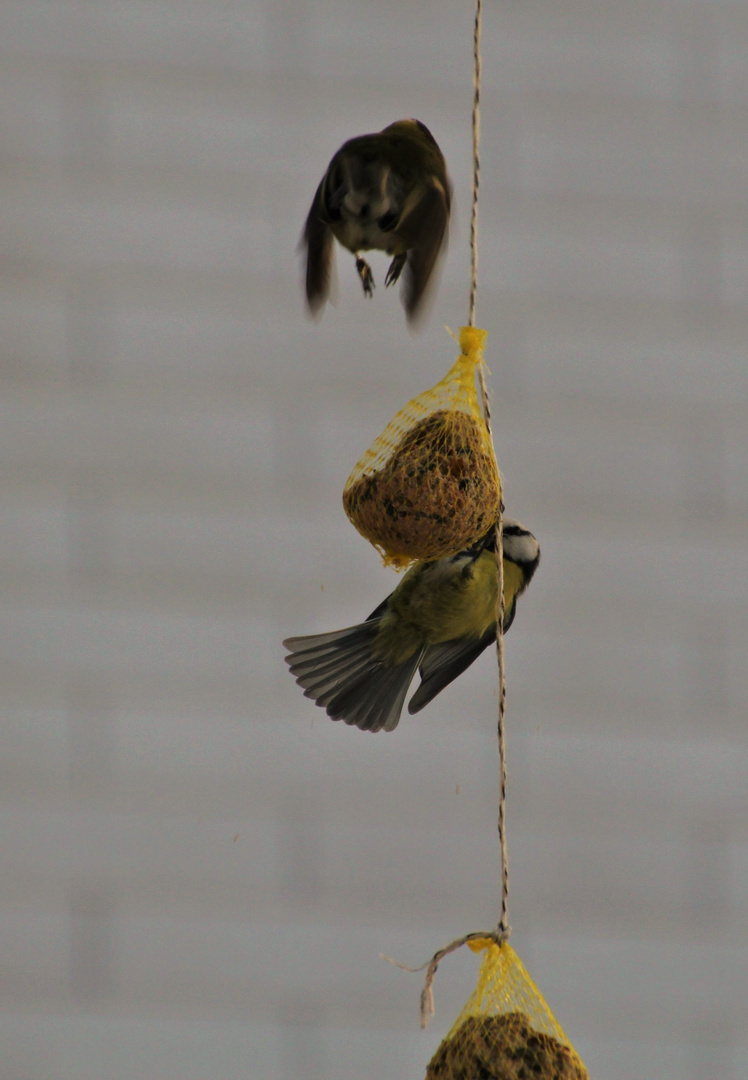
x=340, y=672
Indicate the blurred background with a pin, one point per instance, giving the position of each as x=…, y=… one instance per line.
x=199, y=869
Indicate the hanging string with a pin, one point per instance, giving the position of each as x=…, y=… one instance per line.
x=502, y=928
x=476, y=164
x=502, y=931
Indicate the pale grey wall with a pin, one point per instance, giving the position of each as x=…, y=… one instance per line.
x=198, y=868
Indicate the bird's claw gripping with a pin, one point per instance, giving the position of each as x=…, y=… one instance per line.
x=395, y=269
x=367, y=278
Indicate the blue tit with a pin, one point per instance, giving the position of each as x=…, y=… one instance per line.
x=438, y=620
x=388, y=191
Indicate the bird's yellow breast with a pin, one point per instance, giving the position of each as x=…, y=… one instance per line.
x=444, y=601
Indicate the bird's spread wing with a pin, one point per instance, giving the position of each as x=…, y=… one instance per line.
x=318, y=238
x=424, y=229
x=441, y=664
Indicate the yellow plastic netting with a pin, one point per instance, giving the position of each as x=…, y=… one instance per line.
x=506, y=1030
x=429, y=485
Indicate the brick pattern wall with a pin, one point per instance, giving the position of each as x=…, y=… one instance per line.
x=199, y=870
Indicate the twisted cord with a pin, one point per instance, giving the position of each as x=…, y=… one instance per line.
x=502, y=928
x=476, y=165
x=502, y=931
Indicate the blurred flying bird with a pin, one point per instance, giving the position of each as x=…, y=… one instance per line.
x=388, y=191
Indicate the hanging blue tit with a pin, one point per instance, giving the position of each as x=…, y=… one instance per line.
x=438, y=620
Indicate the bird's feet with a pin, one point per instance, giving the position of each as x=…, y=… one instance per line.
x=367, y=278
x=395, y=269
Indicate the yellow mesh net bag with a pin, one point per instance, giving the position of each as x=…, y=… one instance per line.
x=429, y=486
x=506, y=1030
